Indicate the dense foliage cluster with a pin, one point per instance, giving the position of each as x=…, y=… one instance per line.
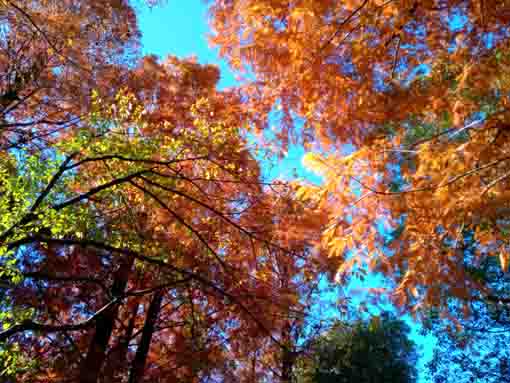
x=139, y=240
x=361, y=351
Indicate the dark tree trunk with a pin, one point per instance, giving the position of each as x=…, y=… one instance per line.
x=287, y=364
x=93, y=362
x=288, y=356
x=117, y=358
x=138, y=366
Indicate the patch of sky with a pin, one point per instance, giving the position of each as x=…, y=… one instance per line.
x=181, y=29
x=289, y=166
x=457, y=20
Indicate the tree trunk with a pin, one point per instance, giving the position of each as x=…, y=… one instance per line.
x=287, y=355
x=137, y=369
x=287, y=364
x=93, y=362
x=117, y=358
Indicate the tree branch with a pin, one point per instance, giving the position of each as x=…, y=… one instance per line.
x=28, y=325
x=128, y=252
x=98, y=189
x=70, y=278
x=128, y=159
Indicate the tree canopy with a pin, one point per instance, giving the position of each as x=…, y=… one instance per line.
x=140, y=241
x=405, y=111
x=376, y=350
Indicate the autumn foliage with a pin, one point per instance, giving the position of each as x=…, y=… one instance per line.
x=139, y=239
x=406, y=104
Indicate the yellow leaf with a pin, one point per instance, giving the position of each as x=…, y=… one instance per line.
x=503, y=260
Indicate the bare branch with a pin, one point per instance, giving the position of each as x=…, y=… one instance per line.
x=29, y=325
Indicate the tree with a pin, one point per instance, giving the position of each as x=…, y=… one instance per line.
x=477, y=349
x=149, y=223
x=470, y=356
x=376, y=350
x=138, y=240
x=406, y=106
x=131, y=205
x=52, y=55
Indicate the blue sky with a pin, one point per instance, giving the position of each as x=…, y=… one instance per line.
x=180, y=28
